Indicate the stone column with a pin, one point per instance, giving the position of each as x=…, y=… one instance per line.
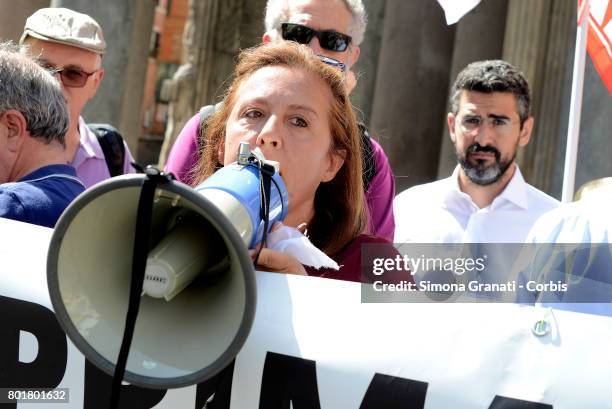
x=362, y=96
x=127, y=27
x=479, y=36
x=181, y=91
x=411, y=88
x=215, y=32
x=11, y=24
x=538, y=38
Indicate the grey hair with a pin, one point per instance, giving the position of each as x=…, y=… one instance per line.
x=279, y=11
x=33, y=91
x=493, y=76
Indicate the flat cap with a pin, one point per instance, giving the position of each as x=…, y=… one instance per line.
x=65, y=26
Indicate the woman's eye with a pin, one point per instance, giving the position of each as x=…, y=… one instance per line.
x=253, y=113
x=297, y=121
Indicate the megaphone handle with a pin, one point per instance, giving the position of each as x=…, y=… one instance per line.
x=139, y=261
x=265, y=176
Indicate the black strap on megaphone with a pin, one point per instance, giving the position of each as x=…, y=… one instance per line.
x=139, y=262
x=266, y=172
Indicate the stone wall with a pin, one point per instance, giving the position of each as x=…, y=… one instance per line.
x=127, y=27
x=11, y=24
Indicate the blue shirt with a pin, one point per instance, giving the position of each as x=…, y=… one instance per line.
x=41, y=196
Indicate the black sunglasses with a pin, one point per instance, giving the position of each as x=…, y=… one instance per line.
x=71, y=77
x=329, y=39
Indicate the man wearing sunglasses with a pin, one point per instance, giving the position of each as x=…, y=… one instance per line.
x=333, y=29
x=71, y=45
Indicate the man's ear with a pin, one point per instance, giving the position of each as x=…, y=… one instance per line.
x=355, y=52
x=97, y=79
x=525, y=134
x=336, y=160
x=16, y=126
x=450, y=121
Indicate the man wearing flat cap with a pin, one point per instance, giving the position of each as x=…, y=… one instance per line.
x=72, y=45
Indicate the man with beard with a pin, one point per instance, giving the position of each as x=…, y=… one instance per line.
x=486, y=199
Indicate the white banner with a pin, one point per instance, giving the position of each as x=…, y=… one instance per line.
x=315, y=345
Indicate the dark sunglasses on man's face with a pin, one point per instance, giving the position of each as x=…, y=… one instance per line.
x=328, y=39
x=71, y=77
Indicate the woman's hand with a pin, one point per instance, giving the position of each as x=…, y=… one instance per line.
x=277, y=262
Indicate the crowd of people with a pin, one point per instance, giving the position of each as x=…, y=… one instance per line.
x=290, y=97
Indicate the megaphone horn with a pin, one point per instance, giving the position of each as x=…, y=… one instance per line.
x=186, y=330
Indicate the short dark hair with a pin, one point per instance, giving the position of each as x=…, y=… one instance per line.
x=493, y=76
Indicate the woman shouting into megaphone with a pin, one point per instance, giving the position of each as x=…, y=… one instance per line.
x=292, y=106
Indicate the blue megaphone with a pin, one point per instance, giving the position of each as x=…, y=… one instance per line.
x=250, y=194
x=238, y=190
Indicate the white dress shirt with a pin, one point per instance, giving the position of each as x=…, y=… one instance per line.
x=439, y=212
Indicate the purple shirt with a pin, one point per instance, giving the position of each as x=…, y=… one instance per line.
x=185, y=154
x=89, y=159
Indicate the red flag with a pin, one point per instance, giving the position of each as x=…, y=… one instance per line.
x=599, y=39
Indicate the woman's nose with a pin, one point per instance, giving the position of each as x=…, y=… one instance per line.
x=271, y=134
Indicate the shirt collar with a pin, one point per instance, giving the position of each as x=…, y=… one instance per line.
x=515, y=191
x=56, y=169
x=452, y=191
x=89, y=145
